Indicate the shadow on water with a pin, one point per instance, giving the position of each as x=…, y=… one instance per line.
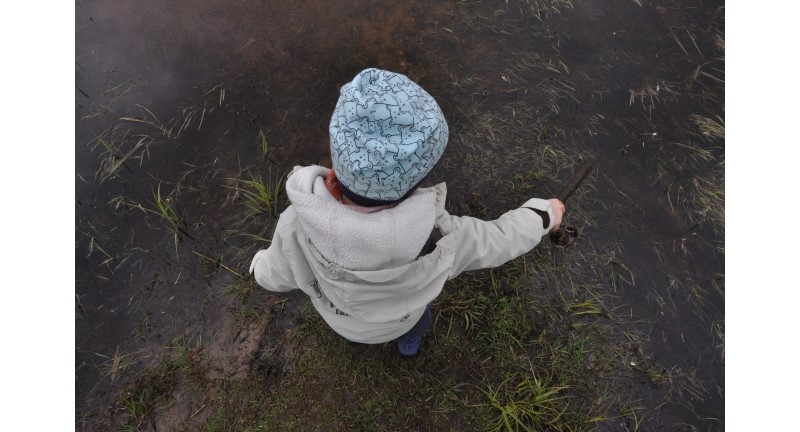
x=179, y=104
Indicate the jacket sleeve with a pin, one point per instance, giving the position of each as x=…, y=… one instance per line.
x=271, y=267
x=485, y=244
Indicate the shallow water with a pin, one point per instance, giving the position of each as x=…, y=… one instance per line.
x=185, y=91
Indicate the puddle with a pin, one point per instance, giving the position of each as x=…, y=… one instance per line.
x=175, y=99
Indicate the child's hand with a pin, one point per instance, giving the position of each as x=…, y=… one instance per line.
x=558, y=211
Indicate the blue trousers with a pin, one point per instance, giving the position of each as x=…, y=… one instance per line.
x=420, y=327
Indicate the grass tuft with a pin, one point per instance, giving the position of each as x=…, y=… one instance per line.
x=112, y=159
x=165, y=208
x=709, y=128
x=259, y=196
x=708, y=198
x=532, y=404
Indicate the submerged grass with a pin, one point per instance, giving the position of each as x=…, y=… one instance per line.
x=174, y=127
x=259, y=196
x=165, y=208
x=708, y=198
x=709, y=127
x=259, y=201
x=112, y=159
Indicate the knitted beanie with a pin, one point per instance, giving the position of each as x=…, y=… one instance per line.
x=387, y=134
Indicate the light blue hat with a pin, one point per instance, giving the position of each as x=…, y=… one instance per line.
x=387, y=133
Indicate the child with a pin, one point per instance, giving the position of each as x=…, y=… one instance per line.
x=354, y=238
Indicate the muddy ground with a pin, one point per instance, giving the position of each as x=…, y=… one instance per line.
x=184, y=109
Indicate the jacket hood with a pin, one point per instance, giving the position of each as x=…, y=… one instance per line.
x=360, y=241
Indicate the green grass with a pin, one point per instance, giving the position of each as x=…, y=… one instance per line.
x=529, y=405
x=636, y=414
x=259, y=196
x=112, y=159
x=262, y=141
x=258, y=202
x=542, y=360
x=165, y=208
x=708, y=198
x=148, y=394
x=183, y=363
x=217, y=263
x=190, y=360
x=94, y=244
x=719, y=333
x=151, y=121
x=114, y=365
x=710, y=128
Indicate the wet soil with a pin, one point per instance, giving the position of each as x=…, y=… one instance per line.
x=173, y=99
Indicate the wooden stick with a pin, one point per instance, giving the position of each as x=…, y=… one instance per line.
x=576, y=181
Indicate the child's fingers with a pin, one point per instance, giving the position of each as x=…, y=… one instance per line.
x=558, y=205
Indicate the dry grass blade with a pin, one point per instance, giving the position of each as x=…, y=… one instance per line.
x=155, y=123
x=218, y=262
x=709, y=197
x=709, y=127
x=118, y=162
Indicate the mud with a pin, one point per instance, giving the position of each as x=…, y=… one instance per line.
x=189, y=89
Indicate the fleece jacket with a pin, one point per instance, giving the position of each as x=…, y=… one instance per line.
x=362, y=271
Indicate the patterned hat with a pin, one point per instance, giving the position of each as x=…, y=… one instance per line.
x=387, y=133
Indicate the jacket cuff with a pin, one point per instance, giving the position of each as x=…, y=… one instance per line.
x=541, y=205
x=255, y=260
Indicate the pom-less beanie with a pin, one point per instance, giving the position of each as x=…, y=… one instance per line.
x=387, y=133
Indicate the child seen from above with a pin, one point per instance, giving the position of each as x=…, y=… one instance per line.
x=370, y=247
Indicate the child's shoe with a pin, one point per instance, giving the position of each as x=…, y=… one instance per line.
x=409, y=346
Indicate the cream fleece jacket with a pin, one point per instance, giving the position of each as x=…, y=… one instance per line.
x=361, y=271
